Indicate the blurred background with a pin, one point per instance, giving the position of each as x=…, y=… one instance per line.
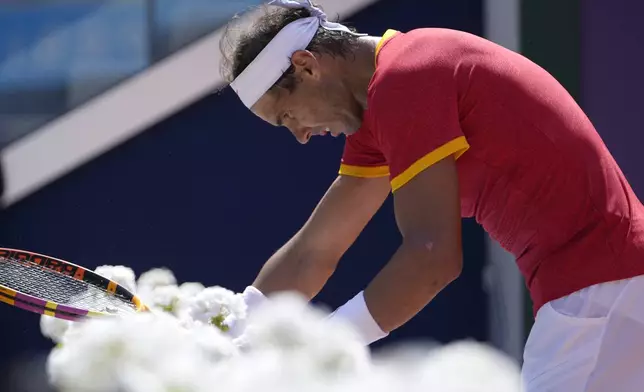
x=119, y=146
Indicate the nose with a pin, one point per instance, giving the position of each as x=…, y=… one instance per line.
x=302, y=134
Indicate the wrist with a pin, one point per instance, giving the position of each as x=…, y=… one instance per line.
x=356, y=313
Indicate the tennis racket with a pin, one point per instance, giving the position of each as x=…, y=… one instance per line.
x=50, y=286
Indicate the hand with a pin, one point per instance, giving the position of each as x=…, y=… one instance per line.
x=253, y=298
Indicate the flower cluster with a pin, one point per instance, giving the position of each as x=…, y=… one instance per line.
x=193, y=341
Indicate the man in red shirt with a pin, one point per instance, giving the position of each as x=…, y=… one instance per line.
x=455, y=126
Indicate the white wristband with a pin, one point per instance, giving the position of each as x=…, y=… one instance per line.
x=355, y=312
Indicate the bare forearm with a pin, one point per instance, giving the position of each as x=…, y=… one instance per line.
x=292, y=268
x=306, y=262
x=411, y=279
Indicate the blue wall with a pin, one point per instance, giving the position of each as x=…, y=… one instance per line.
x=611, y=78
x=211, y=192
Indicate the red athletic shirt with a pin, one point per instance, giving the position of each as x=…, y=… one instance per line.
x=532, y=169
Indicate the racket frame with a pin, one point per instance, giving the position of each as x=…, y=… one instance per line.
x=79, y=273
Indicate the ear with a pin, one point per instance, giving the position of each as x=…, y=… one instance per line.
x=305, y=63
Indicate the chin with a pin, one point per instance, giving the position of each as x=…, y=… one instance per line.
x=350, y=131
x=346, y=128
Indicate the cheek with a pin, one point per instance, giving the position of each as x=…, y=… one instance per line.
x=329, y=104
x=312, y=109
x=316, y=104
x=337, y=103
x=323, y=112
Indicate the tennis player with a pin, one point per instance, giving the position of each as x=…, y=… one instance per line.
x=454, y=126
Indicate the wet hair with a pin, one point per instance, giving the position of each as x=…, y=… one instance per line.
x=239, y=48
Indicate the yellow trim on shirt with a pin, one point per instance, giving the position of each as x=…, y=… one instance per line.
x=388, y=34
x=364, y=171
x=457, y=147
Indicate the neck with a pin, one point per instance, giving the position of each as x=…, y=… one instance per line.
x=359, y=68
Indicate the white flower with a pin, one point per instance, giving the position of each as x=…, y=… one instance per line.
x=264, y=371
x=187, y=293
x=289, y=325
x=156, y=277
x=191, y=289
x=163, y=298
x=468, y=367
x=287, y=345
x=215, y=345
x=54, y=328
x=141, y=352
x=172, y=299
x=216, y=306
x=150, y=281
x=120, y=274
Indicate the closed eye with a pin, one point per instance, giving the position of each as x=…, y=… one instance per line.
x=280, y=119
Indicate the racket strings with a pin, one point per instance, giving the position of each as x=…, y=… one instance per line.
x=52, y=286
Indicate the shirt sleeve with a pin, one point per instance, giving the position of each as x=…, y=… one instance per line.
x=362, y=158
x=416, y=118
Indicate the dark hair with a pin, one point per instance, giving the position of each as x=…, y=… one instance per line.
x=240, y=52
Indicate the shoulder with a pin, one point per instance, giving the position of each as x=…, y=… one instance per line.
x=424, y=48
x=420, y=64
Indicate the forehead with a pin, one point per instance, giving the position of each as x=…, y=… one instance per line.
x=269, y=107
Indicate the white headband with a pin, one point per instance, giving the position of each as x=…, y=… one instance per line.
x=271, y=63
